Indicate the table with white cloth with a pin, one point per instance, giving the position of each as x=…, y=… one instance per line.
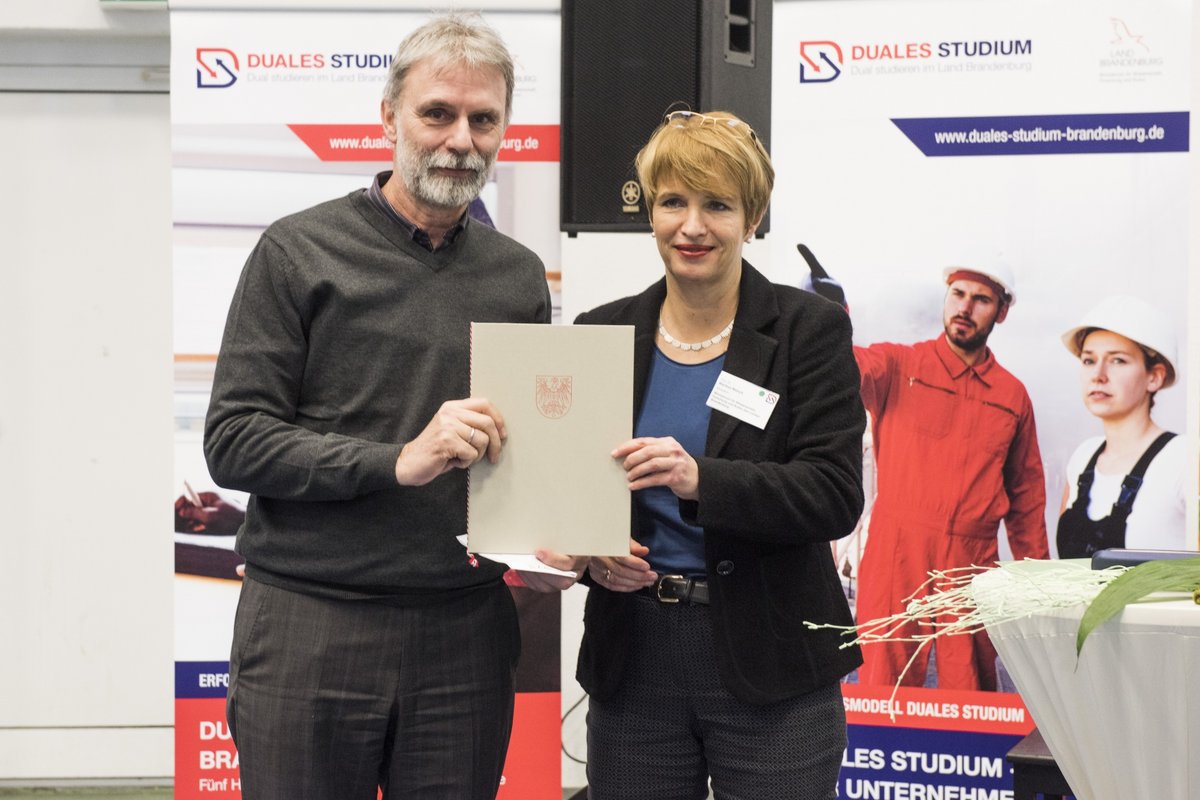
x=1123, y=720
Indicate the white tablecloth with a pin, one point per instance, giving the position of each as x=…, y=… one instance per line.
x=1123, y=722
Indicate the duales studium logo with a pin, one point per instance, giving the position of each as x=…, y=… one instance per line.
x=218, y=68
x=820, y=61
x=823, y=60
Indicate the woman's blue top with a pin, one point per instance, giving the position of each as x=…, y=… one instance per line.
x=674, y=405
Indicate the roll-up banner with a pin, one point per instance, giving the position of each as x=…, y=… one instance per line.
x=911, y=135
x=274, y=111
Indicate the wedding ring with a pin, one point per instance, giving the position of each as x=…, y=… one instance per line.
x=471, y=438
x=608, y=575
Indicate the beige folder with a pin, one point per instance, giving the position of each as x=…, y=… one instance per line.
x=566, y=395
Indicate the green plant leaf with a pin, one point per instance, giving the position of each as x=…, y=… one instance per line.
x=1178, y=575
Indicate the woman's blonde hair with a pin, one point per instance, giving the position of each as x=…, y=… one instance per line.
x=711, y=153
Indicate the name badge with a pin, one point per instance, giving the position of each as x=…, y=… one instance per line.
x=742, y=400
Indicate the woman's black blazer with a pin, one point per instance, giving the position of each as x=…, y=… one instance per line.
x=770, y=502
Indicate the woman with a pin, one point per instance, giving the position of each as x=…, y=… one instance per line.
x=695, y=653
x=1125, y=489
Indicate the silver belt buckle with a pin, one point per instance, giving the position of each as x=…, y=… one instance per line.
x=659, y=588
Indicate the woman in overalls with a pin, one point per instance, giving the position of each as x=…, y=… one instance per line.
x=1125, y=489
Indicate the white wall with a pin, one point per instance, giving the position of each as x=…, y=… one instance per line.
x=85, y=431
x=85, y=412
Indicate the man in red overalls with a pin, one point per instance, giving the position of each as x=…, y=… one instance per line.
x=956, y=452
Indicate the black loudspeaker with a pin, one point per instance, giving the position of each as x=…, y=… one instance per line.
x=625, y=64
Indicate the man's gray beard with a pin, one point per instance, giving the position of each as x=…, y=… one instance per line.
x=440, y=190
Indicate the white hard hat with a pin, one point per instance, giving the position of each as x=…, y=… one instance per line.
x=996, y=273
x=1135, y=319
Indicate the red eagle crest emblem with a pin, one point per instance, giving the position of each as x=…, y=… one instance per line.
x=553, y=395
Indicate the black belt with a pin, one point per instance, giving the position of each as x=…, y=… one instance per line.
x=678, y=589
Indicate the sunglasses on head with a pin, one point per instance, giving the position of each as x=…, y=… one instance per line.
x=681, y=117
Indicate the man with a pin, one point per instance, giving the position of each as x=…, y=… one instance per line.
x=370, y=650
x=956, y=452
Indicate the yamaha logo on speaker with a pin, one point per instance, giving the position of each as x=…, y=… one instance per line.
x=631, y=195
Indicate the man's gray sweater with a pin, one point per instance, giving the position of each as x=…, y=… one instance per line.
x=343, y=339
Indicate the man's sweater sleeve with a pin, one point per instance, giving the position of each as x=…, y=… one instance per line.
x=251, y=441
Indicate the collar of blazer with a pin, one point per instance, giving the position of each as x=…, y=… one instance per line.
x=751, y=346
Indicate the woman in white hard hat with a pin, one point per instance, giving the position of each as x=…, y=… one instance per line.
x=1125, y=489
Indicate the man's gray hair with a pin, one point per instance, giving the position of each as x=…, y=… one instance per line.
x=448, y=40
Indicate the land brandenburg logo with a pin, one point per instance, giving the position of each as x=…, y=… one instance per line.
x=553, y=395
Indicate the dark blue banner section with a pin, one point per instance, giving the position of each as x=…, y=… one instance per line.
x=1160, y=132
x=913, y=764
x=195, y=679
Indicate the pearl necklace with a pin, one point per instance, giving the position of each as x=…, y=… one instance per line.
x=707, y=343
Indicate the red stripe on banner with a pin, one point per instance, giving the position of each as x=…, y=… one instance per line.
x=206, y=762
x=533, y=769
x=937, y=709
x=345, y=142
x=367, y=142
x=205, y=759
x=530, y=143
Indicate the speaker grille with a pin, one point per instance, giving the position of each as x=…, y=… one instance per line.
x=625, y=62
